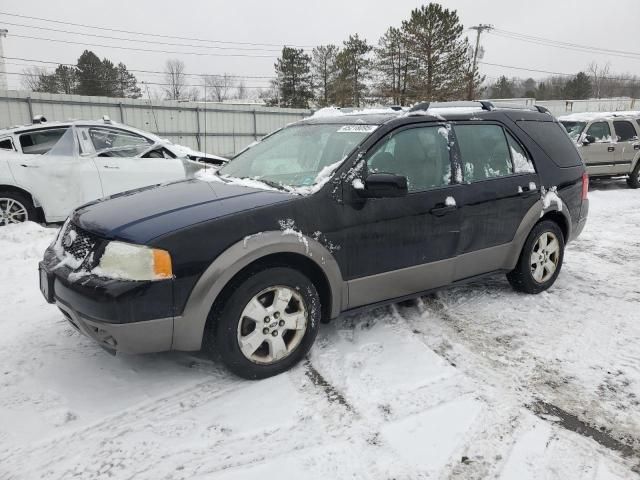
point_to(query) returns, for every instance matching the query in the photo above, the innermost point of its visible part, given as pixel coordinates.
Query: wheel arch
(37, 205)
(298, 250)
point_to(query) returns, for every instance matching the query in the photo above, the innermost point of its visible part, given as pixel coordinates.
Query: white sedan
(48, 169)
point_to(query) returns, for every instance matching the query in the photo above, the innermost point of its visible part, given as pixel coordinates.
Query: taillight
(585, 186)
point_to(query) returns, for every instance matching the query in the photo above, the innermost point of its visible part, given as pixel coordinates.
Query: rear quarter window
(553, 140)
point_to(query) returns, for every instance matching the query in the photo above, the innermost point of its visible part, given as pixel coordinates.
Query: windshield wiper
(271, 183)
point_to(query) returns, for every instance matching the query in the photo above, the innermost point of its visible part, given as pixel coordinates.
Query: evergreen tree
(126, 83)
(579, 87)
(394, 65)
(439, 52)
(66, 79)
(353, 70)
(90, 75)
(324, 70)
(503, 88)
(294, 81)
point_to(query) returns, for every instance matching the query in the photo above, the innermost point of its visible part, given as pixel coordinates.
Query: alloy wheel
(545, 257)
(272, 325)
(12, 211)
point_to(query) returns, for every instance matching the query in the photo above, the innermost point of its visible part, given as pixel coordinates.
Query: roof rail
(420, 106)
(542, 109)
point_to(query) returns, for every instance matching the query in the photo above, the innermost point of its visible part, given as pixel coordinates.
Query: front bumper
(126, 316)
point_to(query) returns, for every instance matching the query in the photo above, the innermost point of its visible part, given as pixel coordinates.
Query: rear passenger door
(628, 145)
(501, 185)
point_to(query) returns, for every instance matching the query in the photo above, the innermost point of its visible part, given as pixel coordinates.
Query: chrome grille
(77, 242)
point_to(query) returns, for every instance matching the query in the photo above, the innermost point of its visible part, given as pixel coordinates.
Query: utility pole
(3, 71)
(479, 29)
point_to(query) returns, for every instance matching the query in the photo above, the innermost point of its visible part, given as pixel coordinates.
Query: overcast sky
(611, 25)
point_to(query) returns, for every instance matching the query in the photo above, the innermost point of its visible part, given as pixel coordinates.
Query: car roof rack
(482, 104)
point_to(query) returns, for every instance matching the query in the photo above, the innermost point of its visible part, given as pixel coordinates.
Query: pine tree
(324, 70)
(439, 51)
(353, 70)
(579, 87)
(90, 75)
(394, 65)
(66, 79)
(503, 88)
(126, 83)
(294, 82)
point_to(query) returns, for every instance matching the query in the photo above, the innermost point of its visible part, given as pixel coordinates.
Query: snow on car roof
(588, 116)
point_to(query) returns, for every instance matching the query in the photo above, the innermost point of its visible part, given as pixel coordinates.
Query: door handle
(29, 166)
(636, 147)
(528, 192)
(112, 167)
(611, 149)
(443, 210)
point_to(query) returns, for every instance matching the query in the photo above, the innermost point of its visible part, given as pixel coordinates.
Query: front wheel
(634, 178)
(541, 259)
(15, 208)
(268, 324)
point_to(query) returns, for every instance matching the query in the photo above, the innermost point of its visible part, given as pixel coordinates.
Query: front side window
(600, 131)
(111, 142)
(484, 150)
(40, 142)
(296, 156)
(420, 154)
(624, 130)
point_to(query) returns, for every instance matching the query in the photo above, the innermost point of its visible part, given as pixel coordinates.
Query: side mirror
(589, 139)
(384, 185)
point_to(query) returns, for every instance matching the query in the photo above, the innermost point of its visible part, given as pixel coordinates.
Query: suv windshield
(574, 129)
(296, 155)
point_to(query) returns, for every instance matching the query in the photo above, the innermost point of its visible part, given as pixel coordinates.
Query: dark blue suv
(331, 214)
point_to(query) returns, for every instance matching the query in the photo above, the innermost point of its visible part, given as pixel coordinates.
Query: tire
(533, 272)
(633, 180)
(258, 316)
(15, 207)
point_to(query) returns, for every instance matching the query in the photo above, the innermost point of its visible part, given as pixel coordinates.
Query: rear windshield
(554, 141)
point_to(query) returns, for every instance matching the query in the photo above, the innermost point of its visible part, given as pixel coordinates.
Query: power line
(148, 50)
(151, 34)
(551, 72)
(564, 45)
(153, 42)
(142, 71)
(106, 80)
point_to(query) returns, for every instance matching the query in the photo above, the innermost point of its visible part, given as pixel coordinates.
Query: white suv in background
(48, 169)
(609, 143)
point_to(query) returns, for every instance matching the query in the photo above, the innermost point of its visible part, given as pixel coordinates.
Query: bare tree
(218, 87)
(241, 90)
(175, 79)
(599, 77)
(32, 78)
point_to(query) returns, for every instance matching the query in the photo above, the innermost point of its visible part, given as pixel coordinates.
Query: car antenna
(152, 110)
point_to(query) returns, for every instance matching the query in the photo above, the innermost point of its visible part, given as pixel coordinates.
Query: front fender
(189, 328)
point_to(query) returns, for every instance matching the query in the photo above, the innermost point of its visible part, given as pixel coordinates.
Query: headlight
(134, 262)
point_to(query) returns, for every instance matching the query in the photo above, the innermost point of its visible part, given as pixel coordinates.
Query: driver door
(119, 156)
(600, 156)
(394, 247)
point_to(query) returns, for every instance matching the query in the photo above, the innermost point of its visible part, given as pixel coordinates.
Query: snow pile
(588, 116)
(450, 202)
(288, 227)
(549, 197)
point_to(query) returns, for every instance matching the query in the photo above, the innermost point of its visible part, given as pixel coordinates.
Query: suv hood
(139, 216)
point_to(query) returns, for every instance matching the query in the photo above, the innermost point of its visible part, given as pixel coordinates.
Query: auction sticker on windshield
(357, 128)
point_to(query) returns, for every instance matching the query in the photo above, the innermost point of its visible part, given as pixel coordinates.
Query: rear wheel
(541, 259)
(268, 324)
(15, 208)
(634, 178)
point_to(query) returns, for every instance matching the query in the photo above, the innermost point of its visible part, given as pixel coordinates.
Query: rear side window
(521, 161)
(600, 131)
(6, 144)
(485, 152)
(624, 130)
(40, 141)
(553, 140)
(111, 142)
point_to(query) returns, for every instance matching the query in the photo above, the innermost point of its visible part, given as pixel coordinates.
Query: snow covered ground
(473, 382)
